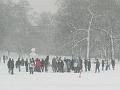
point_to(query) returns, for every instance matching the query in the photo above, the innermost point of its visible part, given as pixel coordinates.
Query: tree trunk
(88, 40)
(112, 46)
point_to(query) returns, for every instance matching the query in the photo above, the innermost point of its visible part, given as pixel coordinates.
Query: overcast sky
(43, 5)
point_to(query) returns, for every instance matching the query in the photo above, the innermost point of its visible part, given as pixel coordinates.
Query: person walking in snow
(78, 66)
(97, 66)
(31, 67)
(89, 65)
(107, 65)
(42, 65)
(75, 65)
(81, 66)
(18, 64)
(37, 65)
(86, 65)
(54, 65)
(46, 63)
(113, 64)
(22, 62)
(68, 64)
(59, 64)
(10, 65)
(26, 65)
(103, 64)
(62, 66)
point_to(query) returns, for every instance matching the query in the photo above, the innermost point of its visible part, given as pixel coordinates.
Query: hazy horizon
(40, 6)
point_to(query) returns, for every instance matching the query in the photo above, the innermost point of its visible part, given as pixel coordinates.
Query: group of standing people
(57, 64)
(106, 64)
(76, 65)
(32, 65)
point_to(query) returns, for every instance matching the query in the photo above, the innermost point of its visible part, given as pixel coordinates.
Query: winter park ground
(106, 80)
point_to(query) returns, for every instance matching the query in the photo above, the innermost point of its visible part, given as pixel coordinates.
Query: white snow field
(106, 80)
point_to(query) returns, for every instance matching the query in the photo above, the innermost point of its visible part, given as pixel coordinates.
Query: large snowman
(33, 54)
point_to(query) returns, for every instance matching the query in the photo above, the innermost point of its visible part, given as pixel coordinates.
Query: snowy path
(109, 80)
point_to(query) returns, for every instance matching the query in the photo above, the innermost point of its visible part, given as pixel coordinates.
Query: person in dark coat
(12, 67)
(78, 66)
(85, 64)
(113, 64)
(22, 62)
(68, 64)
(26, 65)
(18, 64)
(42, 65)
(46, 63)
(81, 64)
(107, 65)
(54, 62)
(8, 65)
(32, 59)
(103, 64)
(97, 66)
(89, 65)
(62, 66)
(59, 65)
(72, 64)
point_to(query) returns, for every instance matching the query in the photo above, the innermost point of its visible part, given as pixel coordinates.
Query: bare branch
(79, 42)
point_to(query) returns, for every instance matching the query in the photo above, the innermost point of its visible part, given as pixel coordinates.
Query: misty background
(86, 28)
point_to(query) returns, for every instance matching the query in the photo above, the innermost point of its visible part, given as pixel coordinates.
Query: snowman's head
(33, 50)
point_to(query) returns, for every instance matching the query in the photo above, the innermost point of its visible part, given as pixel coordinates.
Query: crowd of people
(77, 64)
(58, 64)
(32, 65)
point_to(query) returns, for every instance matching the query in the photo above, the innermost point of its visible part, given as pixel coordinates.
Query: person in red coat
(37, 64)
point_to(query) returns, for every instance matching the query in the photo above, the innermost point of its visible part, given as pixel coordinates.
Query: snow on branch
(76, 43)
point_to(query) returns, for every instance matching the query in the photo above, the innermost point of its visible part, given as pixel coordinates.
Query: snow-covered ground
(109, 80)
